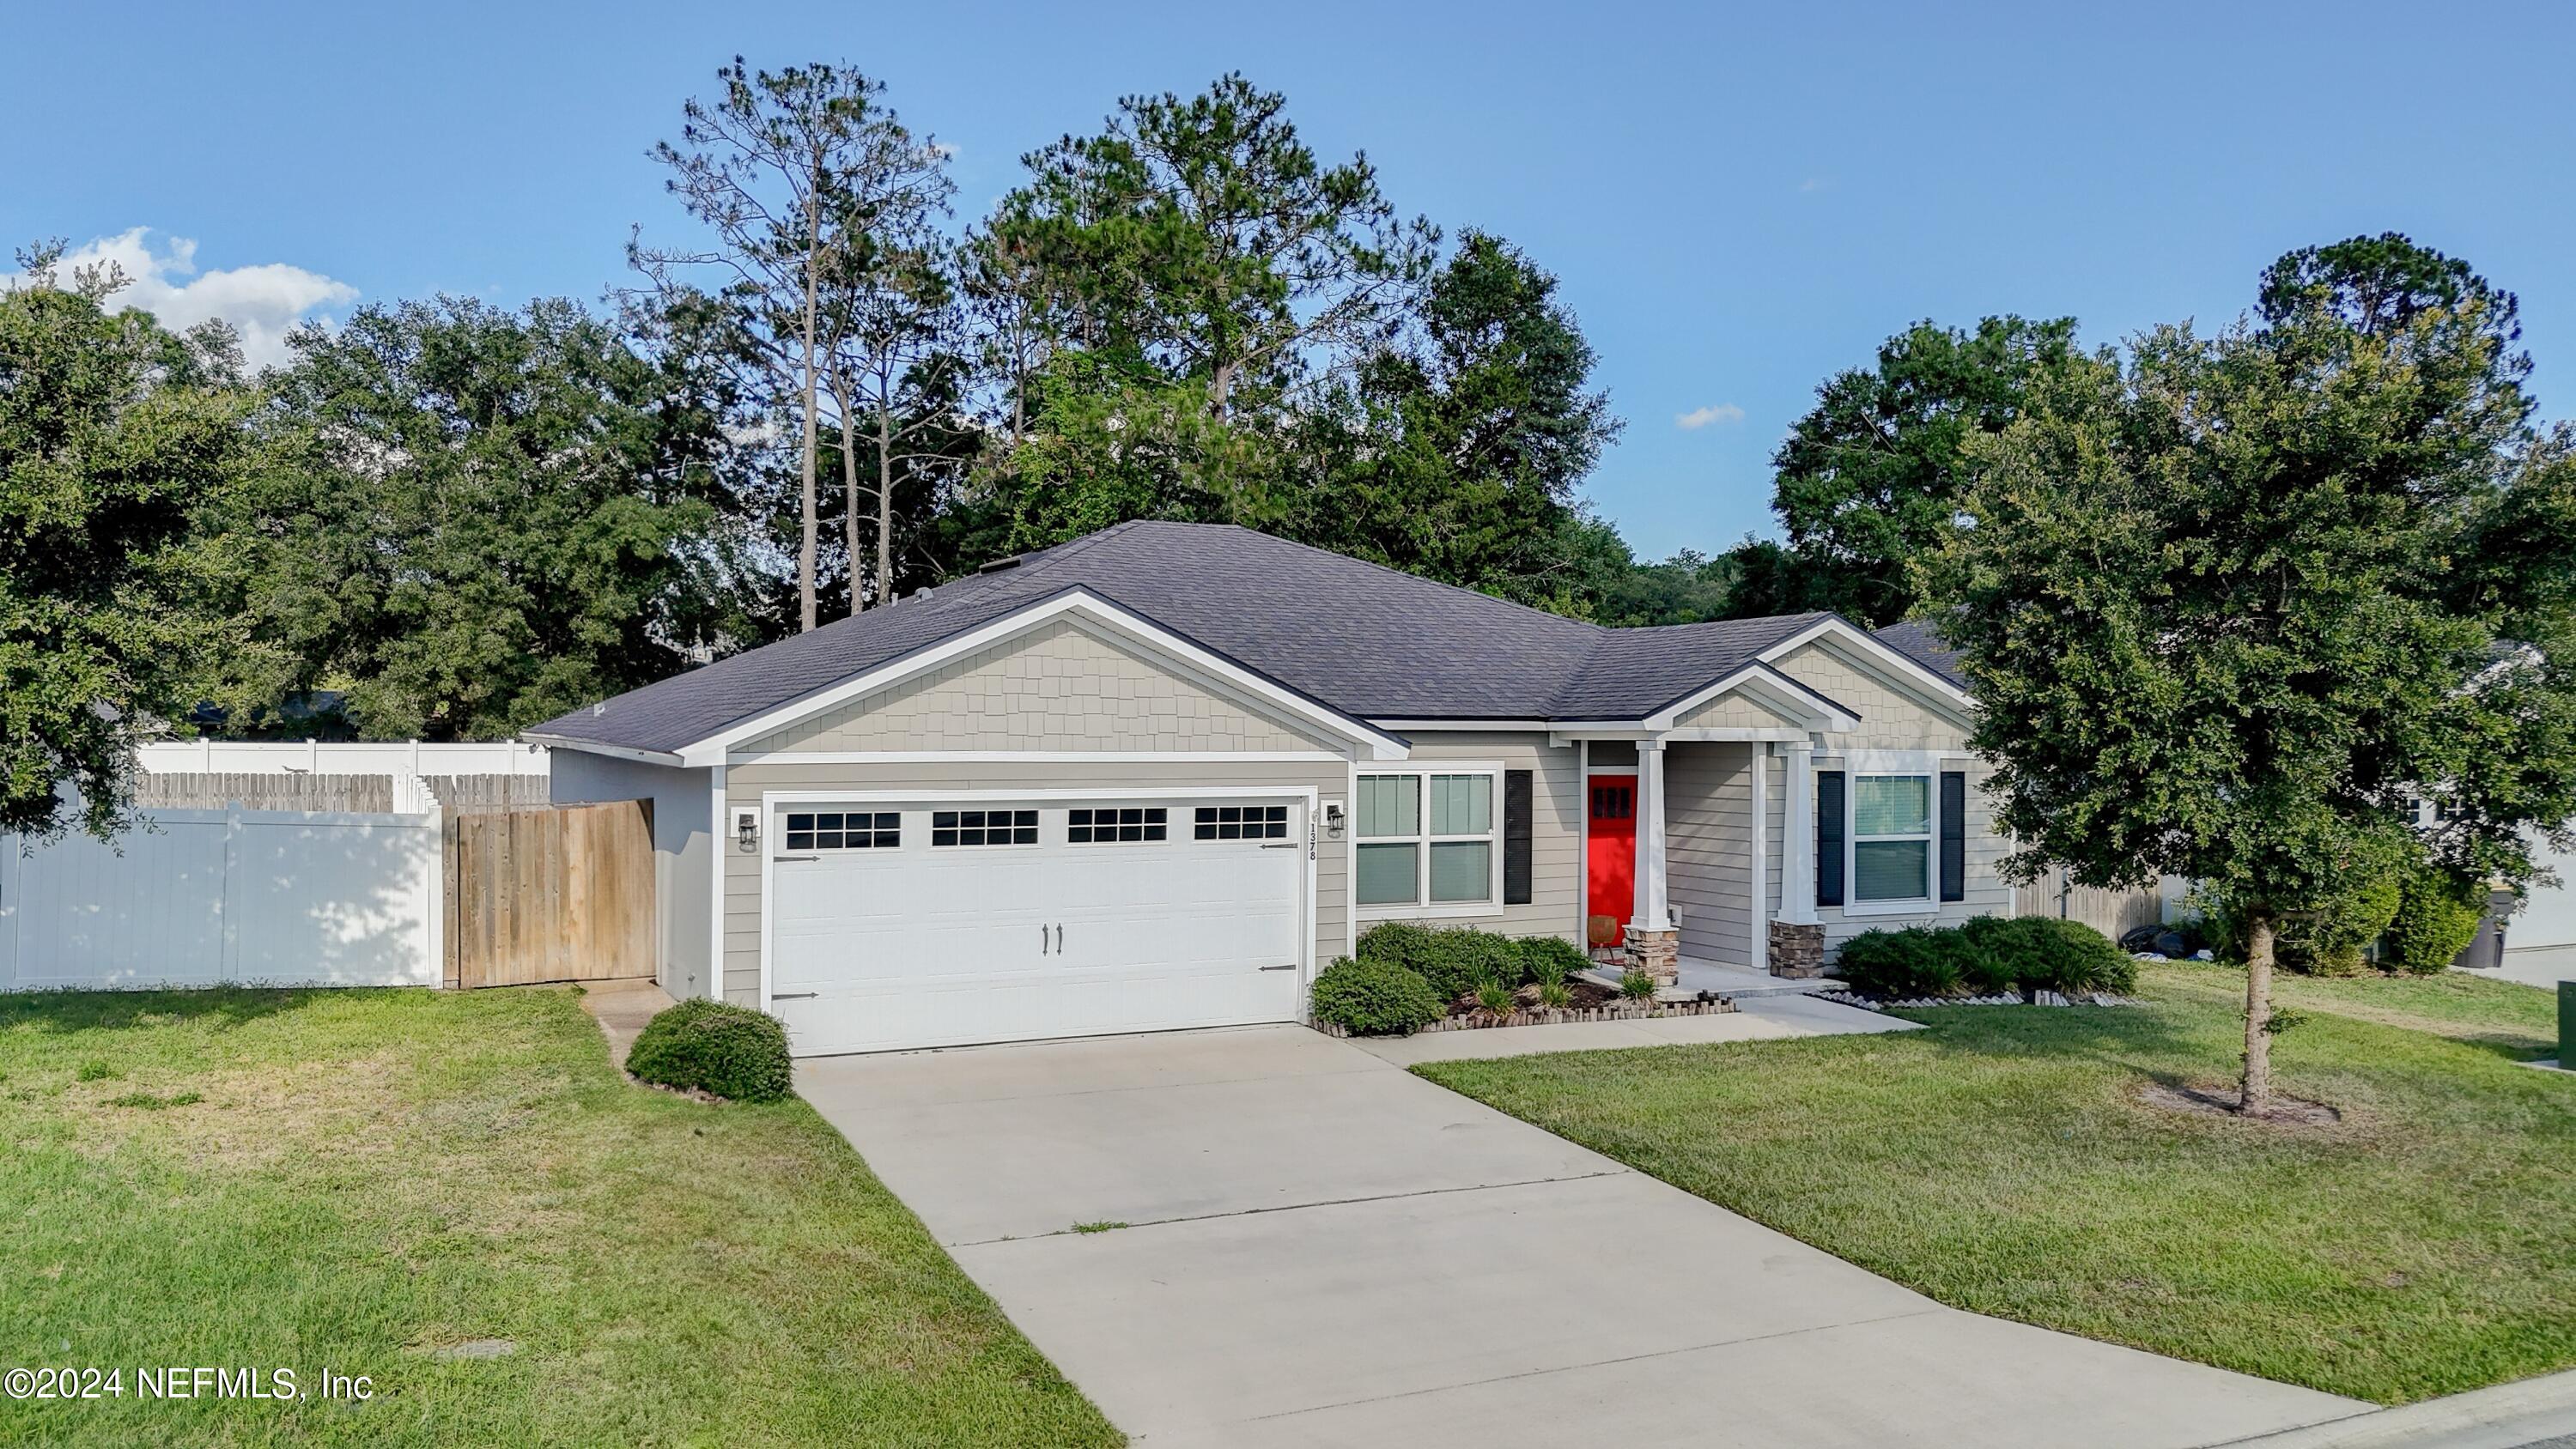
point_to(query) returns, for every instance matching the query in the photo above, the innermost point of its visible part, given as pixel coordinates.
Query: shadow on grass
(2141, 1039)
(65, 1012)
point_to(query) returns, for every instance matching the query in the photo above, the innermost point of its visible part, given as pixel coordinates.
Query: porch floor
(1739, 982)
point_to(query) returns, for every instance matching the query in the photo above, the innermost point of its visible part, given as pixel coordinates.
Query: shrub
(2437, 917)
(1555, 994)
(1452, 960)
(2043, 953)
(1986, 955)
(2331, 942)
(1911, 962)
(1996, 951)
(1397, 943)
(2069, 957)
(1374, 998)
(1546, 959)
(732, 1051)
(1495, 997)
(1636, 985)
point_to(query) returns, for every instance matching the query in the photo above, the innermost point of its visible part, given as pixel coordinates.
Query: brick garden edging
(2045, 998)
(1549, 1016)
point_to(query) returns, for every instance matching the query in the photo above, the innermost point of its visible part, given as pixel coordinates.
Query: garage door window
(983, 827)
(825, 831)
(1242, 822)
(1103, 827)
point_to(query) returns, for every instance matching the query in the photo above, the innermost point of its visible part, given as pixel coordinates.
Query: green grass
(357, 1180)
(2002, 1162)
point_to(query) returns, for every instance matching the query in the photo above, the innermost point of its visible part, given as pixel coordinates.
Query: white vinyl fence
(409, 762)
(203, 897)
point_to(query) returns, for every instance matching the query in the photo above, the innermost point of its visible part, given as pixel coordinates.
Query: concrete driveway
(1318, 1248)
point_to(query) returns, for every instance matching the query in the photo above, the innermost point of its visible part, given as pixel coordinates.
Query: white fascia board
(1736, 735)
(1768, 688)
(1902, 671)
(716, 748)
(614, 752)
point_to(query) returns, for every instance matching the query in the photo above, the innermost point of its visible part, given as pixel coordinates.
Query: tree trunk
(850, 489)
(885, 504)
(813, 524)
(2255, 1094)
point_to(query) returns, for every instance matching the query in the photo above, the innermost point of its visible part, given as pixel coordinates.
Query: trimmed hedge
(1452, 959)
(1914, 961)
(1374, 998)
(710, 1046)
(1986, 956)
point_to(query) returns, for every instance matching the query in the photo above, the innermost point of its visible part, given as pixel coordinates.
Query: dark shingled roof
(1370, 641)
(1919, 643)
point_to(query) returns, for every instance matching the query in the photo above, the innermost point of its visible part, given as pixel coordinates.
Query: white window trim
(1926, 904)
(1856, 763)
(1425, 908)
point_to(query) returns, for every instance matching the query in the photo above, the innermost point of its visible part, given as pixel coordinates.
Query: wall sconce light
(746, 830)
(1335, 822)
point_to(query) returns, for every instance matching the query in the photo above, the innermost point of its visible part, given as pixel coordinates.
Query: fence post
(229, 957)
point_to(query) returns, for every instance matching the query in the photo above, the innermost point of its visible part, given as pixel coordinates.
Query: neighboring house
(1156, 776)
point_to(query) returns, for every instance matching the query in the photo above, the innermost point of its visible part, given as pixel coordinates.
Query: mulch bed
(2220, 1101)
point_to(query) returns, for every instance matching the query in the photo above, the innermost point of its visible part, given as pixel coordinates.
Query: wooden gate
(563, 893)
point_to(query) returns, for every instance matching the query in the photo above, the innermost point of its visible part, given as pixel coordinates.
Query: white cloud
(1698, 418)
(263, 303)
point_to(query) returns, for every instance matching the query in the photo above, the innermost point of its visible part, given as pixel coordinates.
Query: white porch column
(1798, 839)
(1654, 912)
(1757, 914)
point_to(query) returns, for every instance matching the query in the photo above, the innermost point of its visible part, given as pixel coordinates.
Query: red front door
(1612, 826)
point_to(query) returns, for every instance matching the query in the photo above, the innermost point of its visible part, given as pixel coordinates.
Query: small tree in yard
(2229, 606)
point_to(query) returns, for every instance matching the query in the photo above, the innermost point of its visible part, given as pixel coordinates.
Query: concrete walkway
(1769, 1018)
(621, 1008)
(1266, 1237)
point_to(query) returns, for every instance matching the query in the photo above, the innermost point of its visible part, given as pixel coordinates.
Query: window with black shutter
(1829, 837)
(1516, 837)
(1954, 835)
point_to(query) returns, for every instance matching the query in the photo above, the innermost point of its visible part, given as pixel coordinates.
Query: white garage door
(939, 923)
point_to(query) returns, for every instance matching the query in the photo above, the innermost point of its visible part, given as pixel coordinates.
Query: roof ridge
(1477, 594)
(1611, 638)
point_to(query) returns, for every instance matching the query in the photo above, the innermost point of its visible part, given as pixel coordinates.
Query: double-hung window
(1891, 823)
(1427, 840)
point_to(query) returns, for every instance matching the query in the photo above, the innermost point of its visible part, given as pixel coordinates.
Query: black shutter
(1954, 835)
(1829, 837)
(1516, 837)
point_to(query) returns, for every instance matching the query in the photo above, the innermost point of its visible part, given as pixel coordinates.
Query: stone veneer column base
(1797, 952)
(1657, 953)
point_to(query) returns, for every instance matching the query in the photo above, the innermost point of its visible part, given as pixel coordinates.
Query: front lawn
(2001, 1161)
(454, 1194)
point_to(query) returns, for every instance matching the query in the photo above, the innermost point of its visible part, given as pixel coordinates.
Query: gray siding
(1556, 827)
(683, 850)
(1058, 687)
(1889, 718)
(745, 783)
(1708, 843)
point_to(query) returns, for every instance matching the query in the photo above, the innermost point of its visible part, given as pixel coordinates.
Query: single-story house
(1155, 777)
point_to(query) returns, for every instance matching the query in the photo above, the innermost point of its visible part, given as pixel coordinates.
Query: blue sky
(1739, 200)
